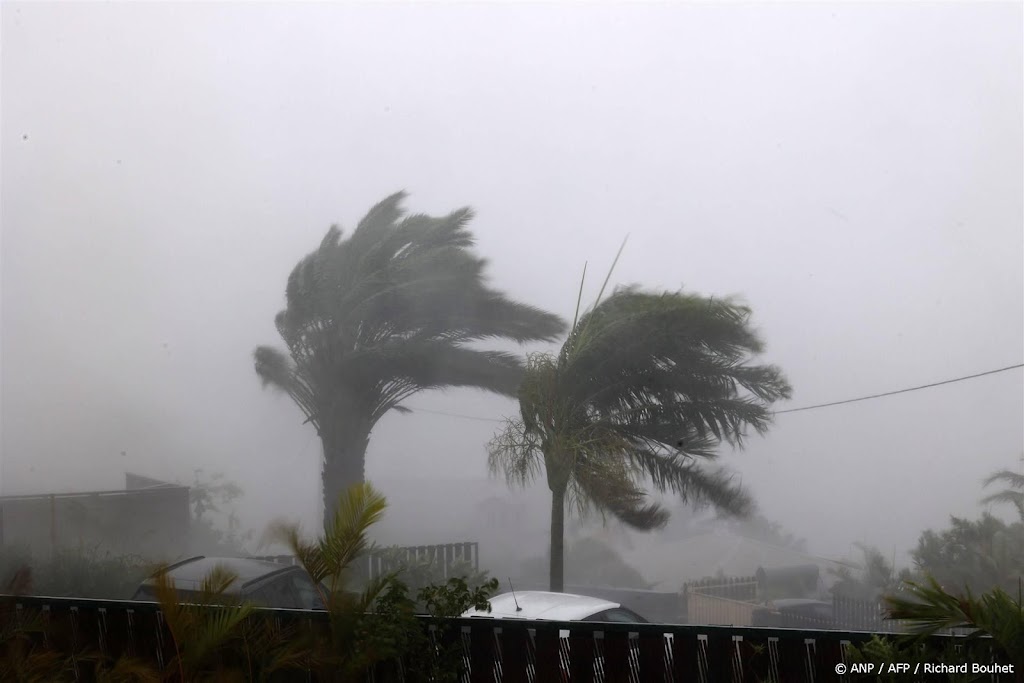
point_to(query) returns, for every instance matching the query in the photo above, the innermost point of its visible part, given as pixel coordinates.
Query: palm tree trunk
(557, 576)
(344, 466)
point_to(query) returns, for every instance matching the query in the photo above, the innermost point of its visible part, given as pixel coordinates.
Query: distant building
(148, 517)
(668, 565)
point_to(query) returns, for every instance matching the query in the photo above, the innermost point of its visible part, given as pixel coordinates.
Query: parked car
(266, 584)
(556, 607)
(544, 605)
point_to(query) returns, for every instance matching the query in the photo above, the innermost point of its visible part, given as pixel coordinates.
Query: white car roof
(543, 605)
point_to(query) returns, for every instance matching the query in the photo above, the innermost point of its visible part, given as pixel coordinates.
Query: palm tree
(365, 627)
(644, 389)
(1014, 494)
(996, 613)
(388, 312)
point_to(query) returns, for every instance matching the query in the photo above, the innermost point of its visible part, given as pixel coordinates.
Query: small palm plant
(932, 609)
(360, 636)
(205, 633)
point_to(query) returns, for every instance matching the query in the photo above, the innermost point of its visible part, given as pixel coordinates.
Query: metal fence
(516, 651)
(733, 602)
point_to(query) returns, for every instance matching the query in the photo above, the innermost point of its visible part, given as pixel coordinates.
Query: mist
(853, 172)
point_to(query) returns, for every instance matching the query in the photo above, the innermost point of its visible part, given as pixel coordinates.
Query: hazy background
(853, 171)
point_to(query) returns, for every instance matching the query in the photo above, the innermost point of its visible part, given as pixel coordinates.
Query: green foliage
(893, 649)
(643, 391)
(976, 555)
(1012, 494)
(376, 625)
(878, 578)
(932, 609)
(453, 598)
(83, 572)
(215, 529)
(442, 648)
(205, 626)
(390, 311)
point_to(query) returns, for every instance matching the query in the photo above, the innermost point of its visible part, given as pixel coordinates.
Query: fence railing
(733, 601)
(519, 651)
(742, 588)
(445, 556)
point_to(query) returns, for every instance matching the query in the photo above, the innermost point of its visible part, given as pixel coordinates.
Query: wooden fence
(518, 651)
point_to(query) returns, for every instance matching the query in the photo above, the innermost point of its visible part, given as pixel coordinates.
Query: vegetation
(974, 555)
(79, 572)
(644, 389)
(879, 577)
(215, 528)
(995, 614)
(1012, 494)
(882, 650)
(387, 313)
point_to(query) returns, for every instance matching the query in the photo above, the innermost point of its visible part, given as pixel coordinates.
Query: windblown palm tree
(1014, 494)
(388, 312)
(643, 390)
(997, 613)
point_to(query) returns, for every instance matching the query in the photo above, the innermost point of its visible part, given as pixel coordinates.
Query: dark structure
(147, 518)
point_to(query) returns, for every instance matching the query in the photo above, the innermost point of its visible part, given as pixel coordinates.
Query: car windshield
(620, 614)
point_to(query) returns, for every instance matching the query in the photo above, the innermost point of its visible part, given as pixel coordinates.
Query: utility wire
(780, 412)
(901, 391)
(465, 417)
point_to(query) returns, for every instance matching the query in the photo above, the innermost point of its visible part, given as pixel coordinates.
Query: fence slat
(755, 659)
(616, 656)
(793, 661)
(548, 661)
(827, 653)
(721, 652)
(514, 655)
(686, 657)
(582, 648)
(651, 656)
(482, 654)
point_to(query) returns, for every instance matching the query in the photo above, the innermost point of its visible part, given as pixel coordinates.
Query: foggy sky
(853, 171)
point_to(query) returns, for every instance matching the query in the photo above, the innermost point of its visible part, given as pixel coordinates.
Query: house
(148, 518)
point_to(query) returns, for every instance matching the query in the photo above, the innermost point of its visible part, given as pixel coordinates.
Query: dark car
(265, 584)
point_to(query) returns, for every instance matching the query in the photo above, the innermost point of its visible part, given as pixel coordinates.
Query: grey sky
(853, 171)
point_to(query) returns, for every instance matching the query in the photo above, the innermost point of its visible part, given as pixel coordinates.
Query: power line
(902, 391)
(780, 412)
(465, 417)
